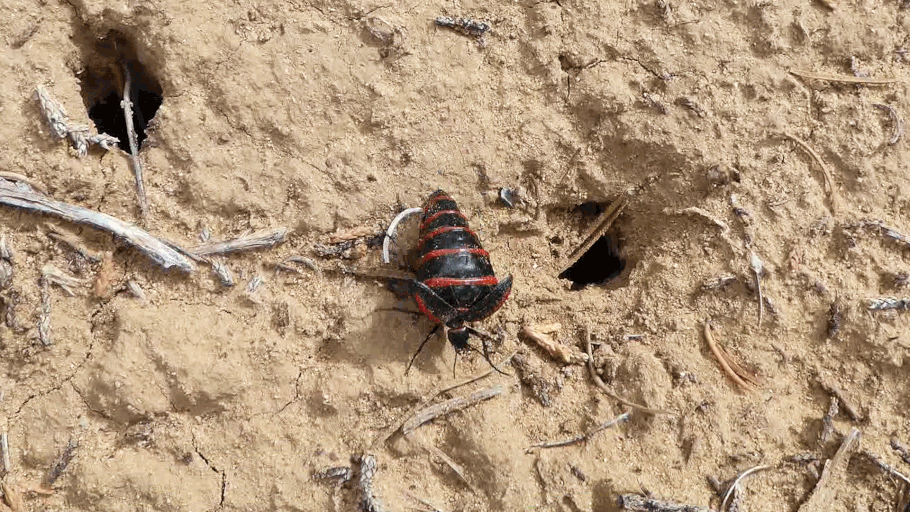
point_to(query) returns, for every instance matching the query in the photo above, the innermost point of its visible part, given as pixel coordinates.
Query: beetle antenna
(411, 362)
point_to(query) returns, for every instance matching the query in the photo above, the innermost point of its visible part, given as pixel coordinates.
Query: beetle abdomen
(450, 259)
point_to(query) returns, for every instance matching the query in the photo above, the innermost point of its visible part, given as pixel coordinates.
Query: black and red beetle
(454, 282)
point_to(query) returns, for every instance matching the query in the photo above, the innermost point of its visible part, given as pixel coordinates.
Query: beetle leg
(484, 338)
(411, 362)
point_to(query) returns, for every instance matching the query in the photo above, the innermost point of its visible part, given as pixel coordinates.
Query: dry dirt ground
(324, 116)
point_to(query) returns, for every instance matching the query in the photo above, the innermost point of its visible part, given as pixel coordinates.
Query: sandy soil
(326, 116)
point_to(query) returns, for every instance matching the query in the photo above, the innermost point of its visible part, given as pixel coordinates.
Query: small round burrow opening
(603, 262)
(109, 64)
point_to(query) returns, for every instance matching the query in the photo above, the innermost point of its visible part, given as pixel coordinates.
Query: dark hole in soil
(106, 67)
(600, 264)
(603, 261)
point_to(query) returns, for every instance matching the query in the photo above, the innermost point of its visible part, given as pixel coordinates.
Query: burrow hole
(603, 262)
(107, 63)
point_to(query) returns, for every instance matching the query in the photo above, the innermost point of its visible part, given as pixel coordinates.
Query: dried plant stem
(757, 267)
(368, 500)
(557, 350)
(638, 503)
(897, 131)
(424, 502)
(832, 476)
(732, 488)
(57, 120)
(61, 464)
(828, 420)
(744, 379)
(44, 315)
(443, 456)
(4, 453)
(842, 78)
(600, 226)
(455, 404)
(163, 253)
(829, 179)
(900, 449)
(582, 437)
(390, 233)
(884, 466)
(15, 176)
(429, 398)
(127, 104)
(606, 389)
(247, 243)
(844, 401)
(70, 239)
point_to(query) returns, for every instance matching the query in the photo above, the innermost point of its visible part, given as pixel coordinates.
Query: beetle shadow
(390, 336)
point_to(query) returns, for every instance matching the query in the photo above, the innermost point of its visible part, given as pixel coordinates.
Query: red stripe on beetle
(439, 231)
(436, 215)
(438, 282)
(432, 255)
(423, 309)
(435, 199)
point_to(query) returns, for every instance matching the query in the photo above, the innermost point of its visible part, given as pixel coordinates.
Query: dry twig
(884, 466)
(255, 241)
(598, 228)
(432, 507)
(900, 449)
(220, 268)
(833, 476)
(6, 262)
(303, 260)
(61, 464)
(449, 406)
(66, 282)
(732, 489)
(338, 475)
(606, 389)
(69, 238)
(883, 303)
(343, 235)
(829, 179)
(126, 103)
(14, 176)
(12, 497)
(436, 452)
(390, 232)
(828, 420)
(897, 131)
(886, 231)
(639, 503)
(163, 253)
(429, 398)
(368, 500)
(582, 437)
(58, 122)
(557, 350)
(757, 267)
(843, 400)
(902, 503)
(4, 453)
(842, 78)
(44, 314)
(744, 379)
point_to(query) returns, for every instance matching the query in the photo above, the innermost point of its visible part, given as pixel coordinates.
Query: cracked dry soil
(323, 116)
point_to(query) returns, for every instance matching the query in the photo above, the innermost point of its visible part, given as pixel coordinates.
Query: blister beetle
(454, 282)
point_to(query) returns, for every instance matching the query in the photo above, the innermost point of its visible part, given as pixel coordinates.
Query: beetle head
(458, 337)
